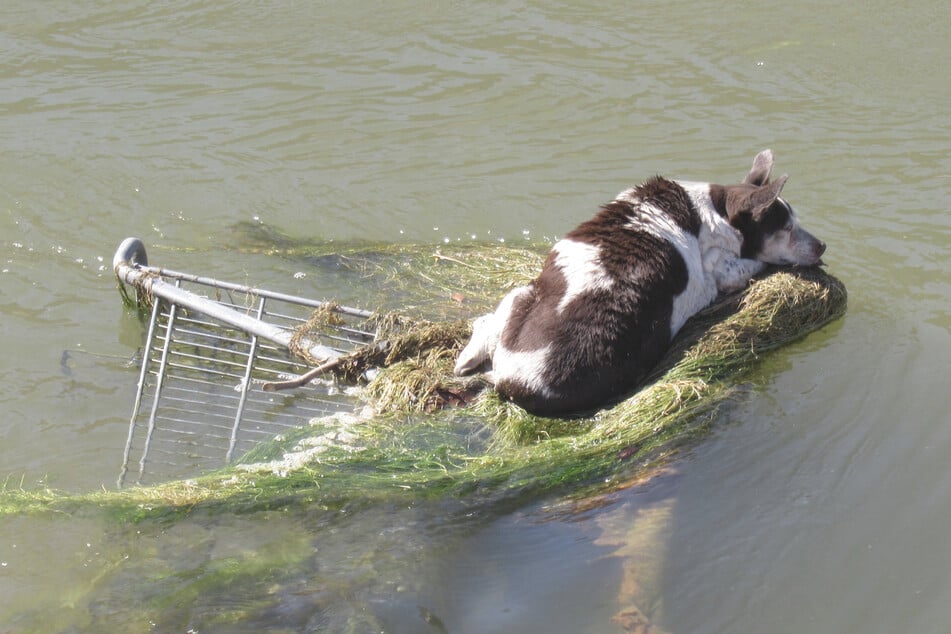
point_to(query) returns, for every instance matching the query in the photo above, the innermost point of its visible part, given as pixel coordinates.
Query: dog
(614, 291)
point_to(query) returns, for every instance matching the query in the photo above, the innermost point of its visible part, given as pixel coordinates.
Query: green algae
(406, 446)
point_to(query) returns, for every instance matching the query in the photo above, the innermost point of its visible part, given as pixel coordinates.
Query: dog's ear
(762, 165)
(763, 197)
(744, 204)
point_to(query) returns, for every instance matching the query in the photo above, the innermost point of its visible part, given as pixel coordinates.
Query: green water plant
(407, 443)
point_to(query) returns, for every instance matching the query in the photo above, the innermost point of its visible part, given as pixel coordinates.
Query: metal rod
(177, 296)
(146, 358)
(240, 288)
(245, 388)
(160, 380)
(131, 256)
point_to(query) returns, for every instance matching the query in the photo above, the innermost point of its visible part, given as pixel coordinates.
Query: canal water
(820, 503)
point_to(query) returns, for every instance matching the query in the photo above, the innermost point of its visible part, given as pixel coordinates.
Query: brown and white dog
(615, 290)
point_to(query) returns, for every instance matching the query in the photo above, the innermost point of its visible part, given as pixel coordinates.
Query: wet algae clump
(425, 433)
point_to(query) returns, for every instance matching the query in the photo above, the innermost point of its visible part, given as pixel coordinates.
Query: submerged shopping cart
(210, 348)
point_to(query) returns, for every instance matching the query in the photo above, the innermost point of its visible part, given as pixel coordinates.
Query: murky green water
(822, 504)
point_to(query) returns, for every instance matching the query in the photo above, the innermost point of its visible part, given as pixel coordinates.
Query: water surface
(819, 504)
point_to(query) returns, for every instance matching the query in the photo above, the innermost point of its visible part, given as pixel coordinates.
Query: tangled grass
(484, 448)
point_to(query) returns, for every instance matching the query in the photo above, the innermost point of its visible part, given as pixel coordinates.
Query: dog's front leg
(735, 273)
(729, 271)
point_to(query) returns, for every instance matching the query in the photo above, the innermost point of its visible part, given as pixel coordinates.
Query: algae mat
(489, 451)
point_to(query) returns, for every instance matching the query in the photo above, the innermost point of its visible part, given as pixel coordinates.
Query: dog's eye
(776, 218)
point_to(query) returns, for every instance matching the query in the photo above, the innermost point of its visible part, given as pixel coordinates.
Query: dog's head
(771, 232)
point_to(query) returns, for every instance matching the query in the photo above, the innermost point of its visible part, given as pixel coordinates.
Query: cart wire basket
(209, 349)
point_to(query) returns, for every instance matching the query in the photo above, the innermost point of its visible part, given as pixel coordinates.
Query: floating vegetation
(407, 443)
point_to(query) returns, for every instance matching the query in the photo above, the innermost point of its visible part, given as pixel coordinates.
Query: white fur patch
(715, 230)
(701, 289)
(524, 368)
(580, 264)
(658, 223)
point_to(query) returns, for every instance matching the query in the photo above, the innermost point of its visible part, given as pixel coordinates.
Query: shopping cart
(210, 348)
